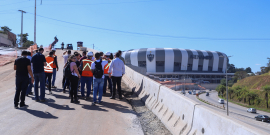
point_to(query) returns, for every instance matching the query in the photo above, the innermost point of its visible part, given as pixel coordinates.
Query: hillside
(254, 82)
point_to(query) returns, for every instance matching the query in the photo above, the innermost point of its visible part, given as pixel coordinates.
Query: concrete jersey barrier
(180, 114)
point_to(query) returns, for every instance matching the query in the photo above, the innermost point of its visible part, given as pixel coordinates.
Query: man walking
(87, 75)
(106, 73)
(39, 61)
(30, 85)
(55, 68)
(117, 70)
(22, 66)
(97, 68)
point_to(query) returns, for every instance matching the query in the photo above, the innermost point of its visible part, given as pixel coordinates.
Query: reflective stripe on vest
(106, 68)
(54, 65)
(86, 71)
(49, 62)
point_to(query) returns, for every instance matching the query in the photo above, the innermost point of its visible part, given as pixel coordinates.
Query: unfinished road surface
(58, 116)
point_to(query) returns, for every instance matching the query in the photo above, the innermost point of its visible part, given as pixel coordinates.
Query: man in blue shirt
(117, 70)
(39, 61)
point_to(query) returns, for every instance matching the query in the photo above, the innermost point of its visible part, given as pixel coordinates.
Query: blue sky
(240, 28)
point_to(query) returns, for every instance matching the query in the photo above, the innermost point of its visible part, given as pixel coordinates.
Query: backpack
(67, 71)
(98, 71)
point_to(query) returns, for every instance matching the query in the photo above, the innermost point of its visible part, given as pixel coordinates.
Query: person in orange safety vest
(87, 75)
(48, 69)
(108, 57)
(55, 68)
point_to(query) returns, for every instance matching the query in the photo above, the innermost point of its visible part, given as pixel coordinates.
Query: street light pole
(227, 57)
(35, 22)
(22, 26)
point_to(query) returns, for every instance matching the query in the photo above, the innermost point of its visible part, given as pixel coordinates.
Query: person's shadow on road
(40, 114)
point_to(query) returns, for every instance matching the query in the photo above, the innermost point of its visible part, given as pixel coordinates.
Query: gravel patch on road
(150, 123)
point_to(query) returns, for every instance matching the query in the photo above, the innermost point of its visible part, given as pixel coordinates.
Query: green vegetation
(252, 92)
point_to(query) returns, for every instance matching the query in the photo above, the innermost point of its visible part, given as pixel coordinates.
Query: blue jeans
(98, 86)
(29, 88)
(88, 81)
(54, 76)
(40, 77)
(107, 78)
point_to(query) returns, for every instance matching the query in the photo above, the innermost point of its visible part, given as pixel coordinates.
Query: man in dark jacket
(22, 66)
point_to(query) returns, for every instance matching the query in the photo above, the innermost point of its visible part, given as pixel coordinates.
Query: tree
(231, 68)
(265, 69)
(266, 89)
(5, 29)
(230, 91)
(240, 74)
(244, 93)
(251, 96)
(25, 41)
(248, 70)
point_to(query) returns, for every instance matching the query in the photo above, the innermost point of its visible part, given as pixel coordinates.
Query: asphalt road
(235, 111)
(59, 116)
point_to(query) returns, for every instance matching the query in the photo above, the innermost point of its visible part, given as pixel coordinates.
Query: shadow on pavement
(40, 114)
(93, 107)
(50, 103)
(117, 107)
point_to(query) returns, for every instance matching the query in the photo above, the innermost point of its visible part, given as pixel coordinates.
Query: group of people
(91, 69)
(98, 69)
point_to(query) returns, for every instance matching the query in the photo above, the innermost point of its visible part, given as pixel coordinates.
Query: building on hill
(8, 39)
(172, 63)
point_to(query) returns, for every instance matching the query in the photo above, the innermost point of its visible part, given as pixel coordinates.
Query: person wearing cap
(108, 57)
(55, 68)
(84, 56)
(48, 69)
(87, 75)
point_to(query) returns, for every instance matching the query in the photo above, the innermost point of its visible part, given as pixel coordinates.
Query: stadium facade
(199, 65)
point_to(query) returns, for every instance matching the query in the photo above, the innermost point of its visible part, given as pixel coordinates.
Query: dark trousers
(21, 87)
(74, 86)
(49, 77)
(116, 81)
(107, 79)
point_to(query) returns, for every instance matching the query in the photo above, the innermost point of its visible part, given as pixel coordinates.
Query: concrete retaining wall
(180, 114)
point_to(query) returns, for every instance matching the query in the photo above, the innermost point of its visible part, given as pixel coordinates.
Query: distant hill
(254, 82)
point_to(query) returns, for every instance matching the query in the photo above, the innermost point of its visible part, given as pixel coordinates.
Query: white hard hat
(107, 53)
(90, 54)
(53, 49)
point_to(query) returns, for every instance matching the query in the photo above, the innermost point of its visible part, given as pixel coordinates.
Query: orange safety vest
(54, 65)
(86, 71)
(106, 68)
(49, 62)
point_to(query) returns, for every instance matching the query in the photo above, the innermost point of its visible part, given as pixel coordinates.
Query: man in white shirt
(65, 56)
(97, 69)
(117, 70)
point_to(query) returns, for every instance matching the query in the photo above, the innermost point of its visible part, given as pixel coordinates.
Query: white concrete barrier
(175, 111)
(182, 115)
(207, 121)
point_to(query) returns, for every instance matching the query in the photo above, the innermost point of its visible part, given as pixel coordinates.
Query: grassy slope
(254, 82)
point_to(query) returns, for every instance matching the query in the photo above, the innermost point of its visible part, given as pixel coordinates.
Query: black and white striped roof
(192, 60)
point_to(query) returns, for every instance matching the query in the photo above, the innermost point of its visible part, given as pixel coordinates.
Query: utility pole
(22, 26)
(35, 22)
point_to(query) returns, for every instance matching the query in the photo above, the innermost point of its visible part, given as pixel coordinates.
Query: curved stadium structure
(168, 62)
